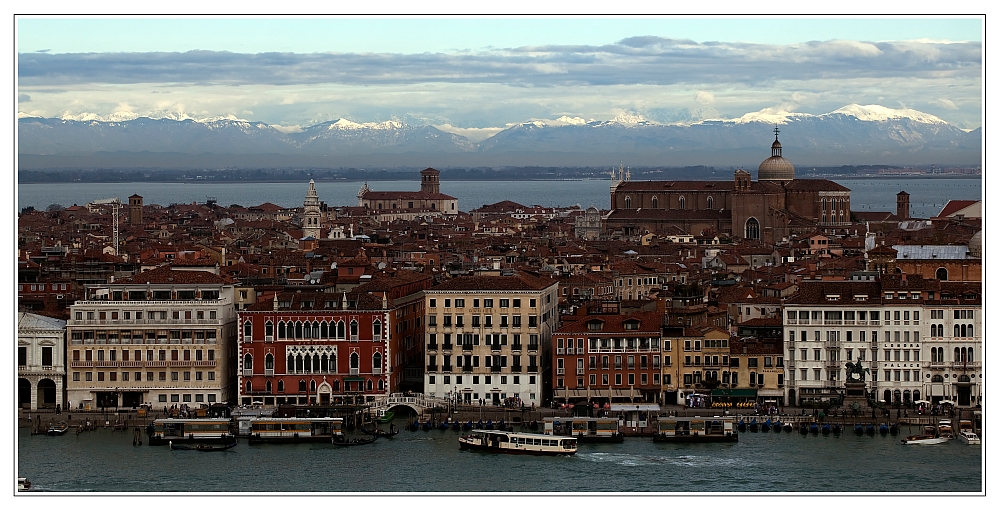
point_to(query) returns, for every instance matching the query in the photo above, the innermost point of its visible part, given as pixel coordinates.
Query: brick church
(768, 209)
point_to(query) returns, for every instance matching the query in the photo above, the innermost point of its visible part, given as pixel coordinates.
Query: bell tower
(430, 181)
(311, 218)
(135, 210)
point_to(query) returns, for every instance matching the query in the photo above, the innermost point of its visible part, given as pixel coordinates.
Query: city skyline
(424, 71)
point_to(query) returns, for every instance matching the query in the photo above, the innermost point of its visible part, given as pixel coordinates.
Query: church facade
(429, 201)
(769, 209)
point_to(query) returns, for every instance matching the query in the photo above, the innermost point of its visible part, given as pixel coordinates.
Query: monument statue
(855, 369)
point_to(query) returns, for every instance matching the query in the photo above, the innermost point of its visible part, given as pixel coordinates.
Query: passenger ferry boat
(696, 429)
(190, 430)
(499, 441)
(585, 430)
(295, 430)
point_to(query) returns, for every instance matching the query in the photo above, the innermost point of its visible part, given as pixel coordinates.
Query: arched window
(269, 362)
(302, 385)
(315, 363)
(298, 363)
(376, 361)
(307, 331)
(369, 385)
(354, 329)
(323, 331)
(916, 395)
(267, 386)
(381, 385)
(377, 328)
(281, 386)
(247, 330)
(957, 331)
(937, 379)
(291, 329)
(969, 330)
(315, 329)
(958, 355)
(324, 364)
(269, 328)
(298, 329)
(656, 203)
(281, 330)
(291, 364)
(906, 396)
(249, 387)
(340, 329)
(752, 229)
(336, 385)
(933, 352)
(964, 330)
(897, 396)
(312, 385)
(711, 203)
(628, 202)
(970, 355)
(887, 396)
(333, 363)
(355, 361)
(942, 274)
(248, 362)
(681, 203)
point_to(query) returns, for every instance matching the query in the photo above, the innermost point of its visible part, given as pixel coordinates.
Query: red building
(603, 356)
(320, 347)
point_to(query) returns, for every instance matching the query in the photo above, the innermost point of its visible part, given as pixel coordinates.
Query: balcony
(432, 368)
(467, 368)
(446, 347)
(495, 368)
(532, 368)
(354, 338)
(355, 371)
(791, 322)
(432, 347)
(516, 347)
(593, 367)
(247, 372)
(446, 368)
(268, 372)
(268, 338)
(495, 348)
(515, 368)
(202, 363)
(466, 347)
(532, 347)
(377, 370)
(559, 371)
(560, 350)
(580, 371)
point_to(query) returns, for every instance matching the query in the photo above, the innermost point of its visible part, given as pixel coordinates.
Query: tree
(55, 208)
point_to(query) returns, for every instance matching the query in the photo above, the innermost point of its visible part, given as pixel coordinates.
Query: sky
(476, 75)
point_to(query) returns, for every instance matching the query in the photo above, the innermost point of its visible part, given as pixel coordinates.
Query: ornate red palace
(320, 347)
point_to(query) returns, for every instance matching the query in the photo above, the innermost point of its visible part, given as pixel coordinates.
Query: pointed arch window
(281, 386)
(267, 386)
(248, 362)
(302, 385)
(377, 363)
(298, 329)
(628, 202)
(249, 386)
(377, 328)
(269, 362)
(333, 363)
(381, 385)
(354, 330)
(369, 385)
(711, 203)
(324, 331)
(315, 329)
(340, 329)
(269, 328)
(281, 330)
(656, 203)
(315, 363)
(290, 329)
(355, 361)
(247, 331)
(752, 229)
(312, 385)
(291, 364)
(682, 204)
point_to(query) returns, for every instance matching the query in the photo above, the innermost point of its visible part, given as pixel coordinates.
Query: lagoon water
(927, 196)
(430, 461)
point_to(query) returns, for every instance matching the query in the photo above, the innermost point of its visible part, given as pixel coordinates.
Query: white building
(487, 337)
(41, 369)
(164, 337)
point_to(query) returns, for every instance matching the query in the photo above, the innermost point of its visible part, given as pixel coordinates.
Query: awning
(558, 393)
(741, 392)
(635, 407)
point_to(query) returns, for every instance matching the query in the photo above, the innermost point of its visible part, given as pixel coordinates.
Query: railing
(446, 368)
(569, 350)
(466, 347)
(376, 338)
(203, 363)
(446, 347)
(873, 323)
(432, 347)
(515, 368)
(532, 347)
(580, 371)
(432, 368)
(467, 368)
(355, 371)
(532, 368)
(560, 371)
(495, 368)
(269, 372)
(247, 372)
(495, 348)
(354, 338)
(515, 347)
(560, 350)
(142, 322)
(791, 322)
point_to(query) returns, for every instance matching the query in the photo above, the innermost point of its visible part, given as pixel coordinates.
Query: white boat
(23, 484)
(925, 439)
(969, 437)
(499, 441)
(190, 430)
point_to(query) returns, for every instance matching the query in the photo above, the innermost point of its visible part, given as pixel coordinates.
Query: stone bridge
(418, 403)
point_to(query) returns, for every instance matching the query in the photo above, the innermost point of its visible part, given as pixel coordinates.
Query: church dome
(776, 168)
(976, 245)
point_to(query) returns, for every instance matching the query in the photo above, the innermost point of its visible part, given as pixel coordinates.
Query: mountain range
(851, 135)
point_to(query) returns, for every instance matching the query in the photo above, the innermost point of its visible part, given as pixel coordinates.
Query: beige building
(41, 342)
(487, 337)
(163, 337)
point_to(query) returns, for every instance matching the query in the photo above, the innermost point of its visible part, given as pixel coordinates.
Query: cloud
(947, 104)
(704, 97)
(474, 134)
(23, 98)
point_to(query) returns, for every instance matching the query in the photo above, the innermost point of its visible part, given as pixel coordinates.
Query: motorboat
(788, 427)
(517, 443)
(57, 429)
(202, 447)
(969, 437)
(925, 439)
(386, 417)
(585, 429)
(945, 430)
(23, 484)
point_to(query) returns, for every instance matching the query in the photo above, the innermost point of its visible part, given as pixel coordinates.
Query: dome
(976, 245)
(776, 168)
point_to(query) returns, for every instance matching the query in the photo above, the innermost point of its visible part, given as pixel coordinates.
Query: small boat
(428, 425)
(343, 441)
(826, 429)
(455, 425)
(479, 424)
(766, 426)
(23, 484)
(443, 425)
(202, 447)
(814, 428)
(517, 442)
(57, 429)
(894, 429)
(924, 439)
(859, 429)
(945, 430)
(870, 429)
(788, 427)
(489, 424)
(753, 426)
(415, 426)
(837, 428)
(776, 426)
(501, 425)
(742, 425)
(883, 429)
(969, 437)
(803, 429)
(467, 426)
(381, 433)
(387, 417)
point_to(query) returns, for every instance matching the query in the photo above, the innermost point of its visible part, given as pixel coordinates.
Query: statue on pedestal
(855, 369)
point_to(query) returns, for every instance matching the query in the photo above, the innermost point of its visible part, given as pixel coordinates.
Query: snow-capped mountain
(853, 134)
